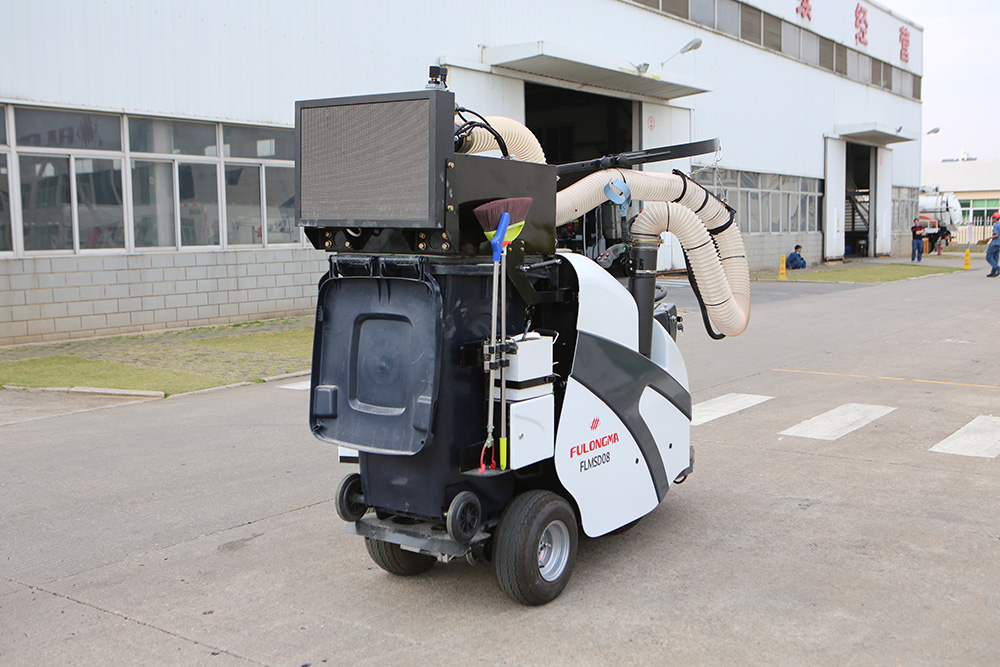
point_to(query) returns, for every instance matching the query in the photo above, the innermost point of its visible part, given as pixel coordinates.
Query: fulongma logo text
(593, 446)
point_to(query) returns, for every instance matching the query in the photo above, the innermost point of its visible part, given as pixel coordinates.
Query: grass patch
(287, 343)
(168, 361)
(65, 371)
(878, 273)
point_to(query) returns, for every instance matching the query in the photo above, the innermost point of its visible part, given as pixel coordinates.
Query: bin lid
(375, 363)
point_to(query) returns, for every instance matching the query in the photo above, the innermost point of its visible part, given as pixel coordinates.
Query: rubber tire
(464, 515)
(395, 560)
(515, 549)
(627, 527)
(349, 509)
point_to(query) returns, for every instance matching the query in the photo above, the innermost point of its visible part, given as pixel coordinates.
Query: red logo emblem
(594, 424)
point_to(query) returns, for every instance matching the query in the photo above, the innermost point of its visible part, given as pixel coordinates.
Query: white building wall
(250, 60)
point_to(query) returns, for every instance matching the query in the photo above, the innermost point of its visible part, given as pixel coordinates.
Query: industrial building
(147, 153)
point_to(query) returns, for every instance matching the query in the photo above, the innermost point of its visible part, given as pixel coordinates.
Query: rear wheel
(463, 517)
(535, 547)
(395, 560)
(350, 498)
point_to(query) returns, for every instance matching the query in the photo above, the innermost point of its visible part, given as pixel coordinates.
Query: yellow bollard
(781, 269)
(968, 264)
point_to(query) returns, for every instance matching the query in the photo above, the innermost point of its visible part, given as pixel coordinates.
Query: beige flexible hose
(718, 260)
(521, 142)
(714, 262)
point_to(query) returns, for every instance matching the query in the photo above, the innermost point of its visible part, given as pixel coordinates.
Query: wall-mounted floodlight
(693, 45)
(641, 68)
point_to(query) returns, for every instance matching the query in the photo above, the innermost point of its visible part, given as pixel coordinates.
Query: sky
(961, 82)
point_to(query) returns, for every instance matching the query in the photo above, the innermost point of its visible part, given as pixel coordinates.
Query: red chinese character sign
(805, 10)
(904, 45)
(861, 23)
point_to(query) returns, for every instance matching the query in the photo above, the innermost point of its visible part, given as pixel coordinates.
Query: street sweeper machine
(499, 394)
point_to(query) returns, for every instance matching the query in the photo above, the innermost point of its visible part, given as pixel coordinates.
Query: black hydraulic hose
(713, 334)
(463, 131)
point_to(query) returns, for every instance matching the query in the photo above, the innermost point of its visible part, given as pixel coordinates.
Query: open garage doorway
(573, 126)
(858, 216)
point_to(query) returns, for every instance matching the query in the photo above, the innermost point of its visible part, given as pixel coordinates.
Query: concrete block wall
(764, 251)
(62, 298)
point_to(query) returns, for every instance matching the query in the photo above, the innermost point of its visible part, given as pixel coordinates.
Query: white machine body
(597, 457)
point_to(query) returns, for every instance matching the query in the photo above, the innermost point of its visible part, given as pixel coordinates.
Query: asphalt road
(200, 529)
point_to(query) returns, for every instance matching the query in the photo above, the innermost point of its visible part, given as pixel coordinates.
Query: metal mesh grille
(366, 161)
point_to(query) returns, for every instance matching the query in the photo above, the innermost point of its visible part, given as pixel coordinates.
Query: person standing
(993, 252)
(917, 251)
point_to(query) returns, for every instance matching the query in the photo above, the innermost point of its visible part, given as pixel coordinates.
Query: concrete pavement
(201, 530)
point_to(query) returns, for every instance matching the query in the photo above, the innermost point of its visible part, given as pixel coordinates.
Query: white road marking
(838, 422)
(980, 437)
(301, 386)
(724, 405)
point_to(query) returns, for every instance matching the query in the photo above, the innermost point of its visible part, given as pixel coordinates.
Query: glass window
(703, 12)
(864, 68)
(727, 17)
(198, 187)
(158, 135)
(978, 203)
(750, 23)
(907, 87)
(258, 142)
(852, 64)
(794, 212)
(916, 87)
(897, 79)
(876, 72)
(45, 203)
(655, 4)
(790, 39)
(243, 224)
(99, 203)
(791, 183)
(840, 59)
(825, 53)
(3, 125)
(153, 204)
(772, 32)
(280, 182)
(770, 182)
(810, 47)
(754, 207)
(675, 7)
(6, 232)
(749, 180)
(992, 203)
(768, 216)
(67, 129)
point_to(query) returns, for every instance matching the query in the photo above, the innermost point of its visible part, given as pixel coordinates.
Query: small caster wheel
(464, 516)
(350, 498)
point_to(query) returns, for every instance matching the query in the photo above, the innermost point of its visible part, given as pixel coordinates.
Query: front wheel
(396, 560)
(535, 547)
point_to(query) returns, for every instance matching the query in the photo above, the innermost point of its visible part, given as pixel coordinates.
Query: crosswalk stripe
(724, 405)
(302, 385)
(980, 437)
(838, 422)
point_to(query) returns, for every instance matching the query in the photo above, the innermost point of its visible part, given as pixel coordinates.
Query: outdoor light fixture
(641, 68)
(933, 131)
(693, 45)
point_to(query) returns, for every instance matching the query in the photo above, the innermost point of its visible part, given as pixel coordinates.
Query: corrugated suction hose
(703, 224)
(521, 142)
